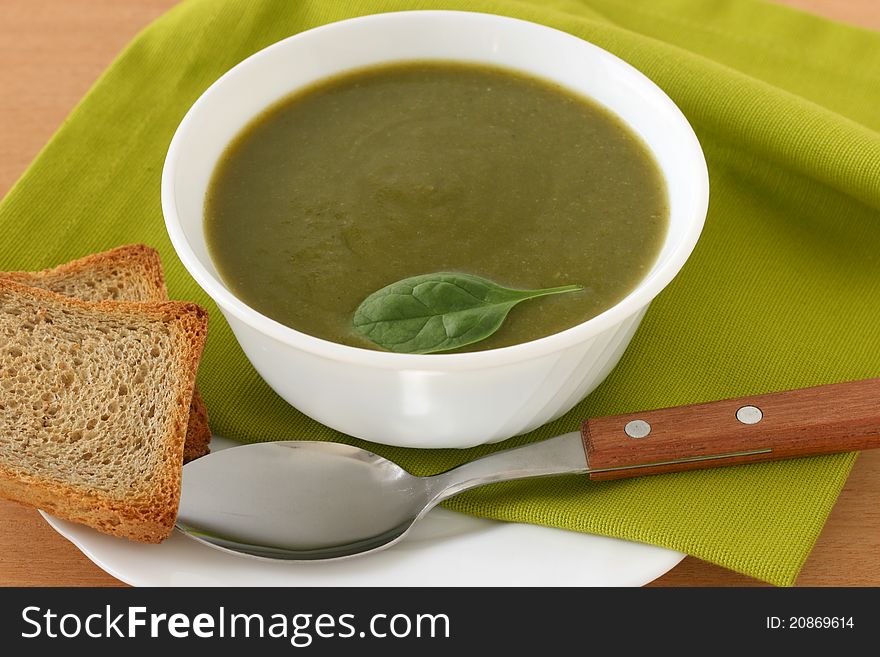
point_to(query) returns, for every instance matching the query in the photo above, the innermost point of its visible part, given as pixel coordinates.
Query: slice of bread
(94, 401)
(127, 273)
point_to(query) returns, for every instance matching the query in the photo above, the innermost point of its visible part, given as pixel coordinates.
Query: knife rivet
(637, 429)
(749, 415)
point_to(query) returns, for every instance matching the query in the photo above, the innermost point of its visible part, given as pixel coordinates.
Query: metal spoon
(303, 501)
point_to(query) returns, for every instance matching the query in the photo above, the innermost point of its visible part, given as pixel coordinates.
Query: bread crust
(144, 517)
(198, 431)
(146, 263)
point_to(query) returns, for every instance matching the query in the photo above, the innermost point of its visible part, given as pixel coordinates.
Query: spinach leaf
(438, 312)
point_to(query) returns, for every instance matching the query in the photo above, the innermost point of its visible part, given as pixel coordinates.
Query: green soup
(394, 171)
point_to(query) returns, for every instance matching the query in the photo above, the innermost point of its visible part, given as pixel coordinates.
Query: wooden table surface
(53, 50)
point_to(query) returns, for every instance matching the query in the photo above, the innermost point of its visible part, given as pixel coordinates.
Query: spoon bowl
(299, 500)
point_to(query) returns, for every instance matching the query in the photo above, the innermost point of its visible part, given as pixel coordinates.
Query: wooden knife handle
(840, 417)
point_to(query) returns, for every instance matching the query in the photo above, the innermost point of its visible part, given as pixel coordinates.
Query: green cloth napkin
(782, 291)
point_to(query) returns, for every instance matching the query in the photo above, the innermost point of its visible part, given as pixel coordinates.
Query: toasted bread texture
(94, 407)
(127, 273)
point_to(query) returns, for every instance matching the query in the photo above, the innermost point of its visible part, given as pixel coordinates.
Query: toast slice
(127, 273)
(94, 407)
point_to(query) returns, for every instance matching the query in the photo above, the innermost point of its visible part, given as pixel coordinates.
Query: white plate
(445, 549)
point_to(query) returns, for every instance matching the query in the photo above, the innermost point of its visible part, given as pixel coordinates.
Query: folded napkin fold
(782, 291)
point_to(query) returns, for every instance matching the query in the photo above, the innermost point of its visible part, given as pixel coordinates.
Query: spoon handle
(840, 417)
(560, 455)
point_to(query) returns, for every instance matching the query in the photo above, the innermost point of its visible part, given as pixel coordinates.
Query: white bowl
(440, 400)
